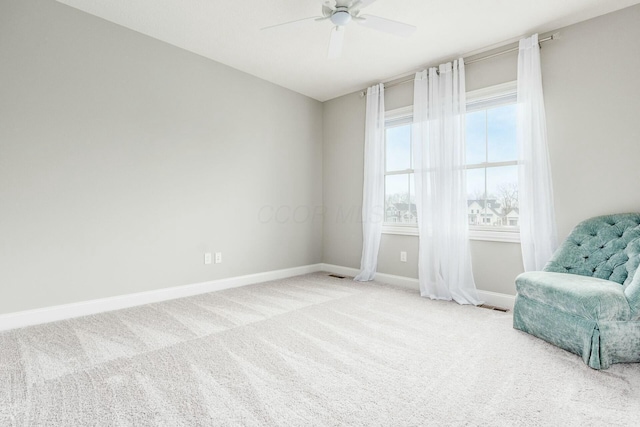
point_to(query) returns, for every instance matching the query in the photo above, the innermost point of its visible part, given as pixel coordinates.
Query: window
(492, 163)
(492, 167)
(399, 190)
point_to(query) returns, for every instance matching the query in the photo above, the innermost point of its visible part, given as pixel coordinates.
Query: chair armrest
(583, 296)
(632, 292)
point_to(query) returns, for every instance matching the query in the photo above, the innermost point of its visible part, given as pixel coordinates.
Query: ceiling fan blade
(361, 4)
(290, 22)
(386, 25)
(335, 44)
(327, 8)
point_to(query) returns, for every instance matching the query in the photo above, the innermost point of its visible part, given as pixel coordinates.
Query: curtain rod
(482, 58)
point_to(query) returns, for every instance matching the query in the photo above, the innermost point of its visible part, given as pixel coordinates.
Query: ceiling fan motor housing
(341, 17)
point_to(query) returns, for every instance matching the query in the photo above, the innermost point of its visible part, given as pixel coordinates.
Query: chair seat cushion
(583, 296)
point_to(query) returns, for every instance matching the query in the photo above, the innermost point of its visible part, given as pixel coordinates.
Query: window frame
(476, 100)
(482, 99)
(398, 116)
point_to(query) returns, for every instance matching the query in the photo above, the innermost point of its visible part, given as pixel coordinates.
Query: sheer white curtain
(538, 233)
(444, 259)
(373, 191)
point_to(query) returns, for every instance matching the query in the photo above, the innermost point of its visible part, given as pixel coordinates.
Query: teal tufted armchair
(587, 299)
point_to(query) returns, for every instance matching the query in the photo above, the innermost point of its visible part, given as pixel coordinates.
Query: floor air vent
(337, 276)
(493, 307)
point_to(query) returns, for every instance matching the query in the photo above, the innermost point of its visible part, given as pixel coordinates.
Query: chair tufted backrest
(605, 247)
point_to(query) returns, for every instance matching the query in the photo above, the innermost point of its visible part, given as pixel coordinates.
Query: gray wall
(124, 159)
(592, 95)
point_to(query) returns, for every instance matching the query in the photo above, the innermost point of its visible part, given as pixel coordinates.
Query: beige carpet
(310, 350)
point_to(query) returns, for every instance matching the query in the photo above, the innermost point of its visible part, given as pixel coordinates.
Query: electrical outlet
(207, 258)
(218, 257)
(403, 256)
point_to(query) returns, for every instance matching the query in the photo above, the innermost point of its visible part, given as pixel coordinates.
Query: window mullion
(491, 165)
(486, 160)
(402, 172)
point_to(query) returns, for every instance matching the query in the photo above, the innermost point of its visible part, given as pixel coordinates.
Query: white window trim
(402, 230)
(399, 113)
(490, 93)
(475, 232)
(492, 235)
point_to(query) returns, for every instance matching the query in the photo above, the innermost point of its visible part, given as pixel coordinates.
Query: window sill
(402, 230)
(495, 236)
(482, 235)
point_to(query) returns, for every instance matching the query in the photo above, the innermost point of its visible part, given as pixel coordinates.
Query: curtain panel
(538, 235)
(444, 259)
(373, 190)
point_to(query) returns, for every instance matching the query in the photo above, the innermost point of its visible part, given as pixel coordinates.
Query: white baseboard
(338, 269)
(68, 311)
(497, 299)
(491, 298)
(85, 308)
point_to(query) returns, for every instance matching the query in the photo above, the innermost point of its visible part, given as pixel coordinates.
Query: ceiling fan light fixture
(341, 18)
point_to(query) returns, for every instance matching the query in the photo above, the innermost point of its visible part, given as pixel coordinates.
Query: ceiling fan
(342, 13)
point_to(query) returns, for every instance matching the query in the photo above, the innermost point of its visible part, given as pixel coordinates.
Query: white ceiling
(295, 56)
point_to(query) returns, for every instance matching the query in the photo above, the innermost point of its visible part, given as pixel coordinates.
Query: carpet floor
(309, 350)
